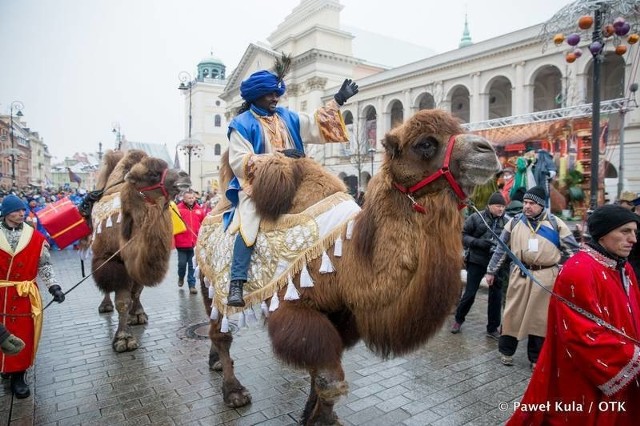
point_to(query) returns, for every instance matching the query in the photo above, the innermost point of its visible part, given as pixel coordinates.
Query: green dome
(211, 60)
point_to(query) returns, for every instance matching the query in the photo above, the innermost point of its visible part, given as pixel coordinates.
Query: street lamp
(372, 152)
(189, 146)
(15, 106)
(115, 128)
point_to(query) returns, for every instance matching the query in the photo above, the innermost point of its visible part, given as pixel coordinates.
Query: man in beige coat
(538, 239)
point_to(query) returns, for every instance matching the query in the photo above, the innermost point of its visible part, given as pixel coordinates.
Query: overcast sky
(79, 65)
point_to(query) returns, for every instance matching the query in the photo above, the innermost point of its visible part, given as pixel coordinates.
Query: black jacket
(478, 240)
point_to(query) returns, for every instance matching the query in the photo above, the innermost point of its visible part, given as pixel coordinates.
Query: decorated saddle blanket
(106, 212)
(282, 249)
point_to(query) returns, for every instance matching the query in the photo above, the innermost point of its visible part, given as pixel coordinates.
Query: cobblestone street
(78, 379)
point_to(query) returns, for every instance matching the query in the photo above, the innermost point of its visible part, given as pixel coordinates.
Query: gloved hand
(57, 293)
(348, 89)
(12, 345)
(293, 153)
(483, 244)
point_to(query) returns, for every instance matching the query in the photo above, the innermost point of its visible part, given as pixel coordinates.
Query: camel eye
(426, 146)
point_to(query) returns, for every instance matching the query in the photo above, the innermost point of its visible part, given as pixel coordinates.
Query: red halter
(160, 185)
(443, 171)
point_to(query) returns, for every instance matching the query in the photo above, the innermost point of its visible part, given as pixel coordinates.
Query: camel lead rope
(87, 277)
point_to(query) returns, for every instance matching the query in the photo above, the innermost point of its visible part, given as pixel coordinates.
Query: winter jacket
(478, 240)
(193, 217)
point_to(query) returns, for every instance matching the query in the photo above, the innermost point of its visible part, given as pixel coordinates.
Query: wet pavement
(79, 380)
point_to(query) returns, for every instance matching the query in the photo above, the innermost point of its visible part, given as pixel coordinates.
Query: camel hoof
(239, 397)
(124, 343)
(105, 308)
(138, 319)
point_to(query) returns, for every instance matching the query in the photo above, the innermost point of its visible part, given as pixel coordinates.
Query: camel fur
(133, 250)
(397, 278)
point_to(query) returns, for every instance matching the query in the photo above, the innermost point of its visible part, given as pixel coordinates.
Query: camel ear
(391, 144)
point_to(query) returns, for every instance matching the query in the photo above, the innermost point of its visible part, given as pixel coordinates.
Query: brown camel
(398, 276)
(133, 233)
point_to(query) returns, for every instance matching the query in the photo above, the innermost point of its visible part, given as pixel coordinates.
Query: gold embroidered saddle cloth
(282, 249)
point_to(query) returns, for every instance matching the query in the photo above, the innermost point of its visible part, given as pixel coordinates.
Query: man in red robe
(589, 370)
(24, 254)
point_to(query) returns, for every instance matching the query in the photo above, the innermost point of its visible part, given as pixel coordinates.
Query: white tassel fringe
(326, 267)
(275, 302)
(224, 327)
(305, 277)
(292, 292)
(214, 313)
(337, 248)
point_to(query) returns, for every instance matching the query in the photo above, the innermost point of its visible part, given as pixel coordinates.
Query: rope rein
(87, 277)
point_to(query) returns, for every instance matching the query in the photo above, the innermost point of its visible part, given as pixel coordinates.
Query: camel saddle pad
(282, 249)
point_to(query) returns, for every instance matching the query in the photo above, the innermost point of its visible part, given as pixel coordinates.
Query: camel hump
(274, 186)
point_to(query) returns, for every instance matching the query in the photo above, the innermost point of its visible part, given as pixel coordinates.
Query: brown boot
(235, 294)
(180, 281)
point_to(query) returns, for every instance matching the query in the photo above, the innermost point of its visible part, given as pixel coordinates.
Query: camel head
(417, 150)
(156, 182)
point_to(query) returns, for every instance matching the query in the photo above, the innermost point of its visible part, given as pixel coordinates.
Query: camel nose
(482, 145)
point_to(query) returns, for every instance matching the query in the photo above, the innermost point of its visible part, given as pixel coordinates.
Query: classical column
(478, 108)
(521, 96)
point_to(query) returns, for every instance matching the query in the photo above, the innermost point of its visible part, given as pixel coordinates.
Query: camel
(398, 276)
(133, 235)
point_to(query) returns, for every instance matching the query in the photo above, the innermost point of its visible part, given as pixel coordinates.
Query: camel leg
(137, 315)
(123, 341)
(233, 393)
(305, 338)
(106, 305)
(328, 385)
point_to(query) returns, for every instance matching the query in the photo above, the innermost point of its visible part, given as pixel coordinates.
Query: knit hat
(537, 194)
(518, 194)
(606, 218)
(496, 198)
(261, 83)
(10, 204)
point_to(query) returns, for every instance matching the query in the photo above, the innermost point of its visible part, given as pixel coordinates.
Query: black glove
(348, 89)
(57, 293)
(293, 153)
(483, 244)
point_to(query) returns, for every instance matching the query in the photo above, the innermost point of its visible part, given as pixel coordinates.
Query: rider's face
(268, 102)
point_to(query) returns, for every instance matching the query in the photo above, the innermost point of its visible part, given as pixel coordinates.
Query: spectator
(538, 239)
(479, 244)
(588, 371)
(192, 215)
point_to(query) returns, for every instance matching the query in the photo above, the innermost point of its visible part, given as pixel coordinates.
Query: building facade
(514, 89)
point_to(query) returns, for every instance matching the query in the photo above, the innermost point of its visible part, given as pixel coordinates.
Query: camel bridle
(160, 185)
(445, 172)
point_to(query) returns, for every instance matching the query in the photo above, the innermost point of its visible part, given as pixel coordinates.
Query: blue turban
(261, 83)
(11, 204)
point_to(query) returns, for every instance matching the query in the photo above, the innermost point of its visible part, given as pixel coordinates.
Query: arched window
(216, 149)
(218, 120)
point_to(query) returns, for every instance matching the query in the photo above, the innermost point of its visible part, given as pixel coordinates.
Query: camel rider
(24, 254)
(260, 129)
